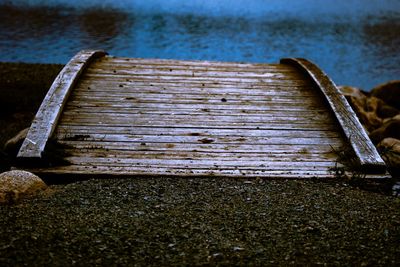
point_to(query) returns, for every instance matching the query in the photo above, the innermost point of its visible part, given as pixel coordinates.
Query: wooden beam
(49, 112)
(368, 157)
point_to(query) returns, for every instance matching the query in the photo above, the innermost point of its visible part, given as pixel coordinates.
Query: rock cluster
(379, 113)
(15, 185)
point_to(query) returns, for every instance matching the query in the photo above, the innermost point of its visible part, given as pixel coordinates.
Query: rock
(16, 184)
(389, 149)
(380, 108)
(13, 145)
(392, 144)
(397, 117)
(389, 129)
(371, 111)
(366, 110)
(385, 111)
(349, 91)
(389, 93)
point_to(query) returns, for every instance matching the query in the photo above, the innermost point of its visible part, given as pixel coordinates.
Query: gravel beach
(171, 221)
(163, 221)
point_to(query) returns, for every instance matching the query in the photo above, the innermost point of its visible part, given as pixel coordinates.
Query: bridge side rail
(50, 110)
(368, 157)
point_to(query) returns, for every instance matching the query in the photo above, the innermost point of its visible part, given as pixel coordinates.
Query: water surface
(356, 42)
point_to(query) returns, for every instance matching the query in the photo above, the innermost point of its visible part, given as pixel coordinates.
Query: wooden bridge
(109, 115)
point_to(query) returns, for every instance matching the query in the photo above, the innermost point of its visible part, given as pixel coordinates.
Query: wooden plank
(218, 118)
(195, 104)
(195, 111)
(186, 63)
(93, 87)
(140, 94)
(199, 147)
(118, 84)
(276, 124)
(163, 171)
(178, 154)
(200, 100)
(239, 117)
(190, 74)
(170, 98)
(140, 64)
(365, 151)
(185, 125)
(196, 163)
(245, 105)
(193, 70)
(200, 80)
(202, 108)
(106, 171)
(188, 139)
(50, 110)
(70, 131)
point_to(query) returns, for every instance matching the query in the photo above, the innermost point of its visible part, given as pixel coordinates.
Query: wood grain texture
(197, 118)
(50, 110)
(366, 152)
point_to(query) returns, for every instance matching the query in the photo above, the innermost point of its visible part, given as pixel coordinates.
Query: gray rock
(17, 184)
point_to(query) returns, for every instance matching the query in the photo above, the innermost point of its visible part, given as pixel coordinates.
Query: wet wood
(197, 118)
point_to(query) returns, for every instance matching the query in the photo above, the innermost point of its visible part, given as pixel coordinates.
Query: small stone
(17, 184)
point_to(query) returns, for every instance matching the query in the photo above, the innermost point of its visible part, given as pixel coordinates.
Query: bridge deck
(125, 116)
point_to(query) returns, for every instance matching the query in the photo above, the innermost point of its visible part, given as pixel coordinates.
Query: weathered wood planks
(49, 112)
(194, 118)
(366, 152)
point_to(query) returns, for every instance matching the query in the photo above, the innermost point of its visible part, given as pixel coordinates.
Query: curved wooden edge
(50, 110)
(368, 156)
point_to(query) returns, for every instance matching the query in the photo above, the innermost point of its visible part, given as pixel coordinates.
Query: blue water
(356, 42)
